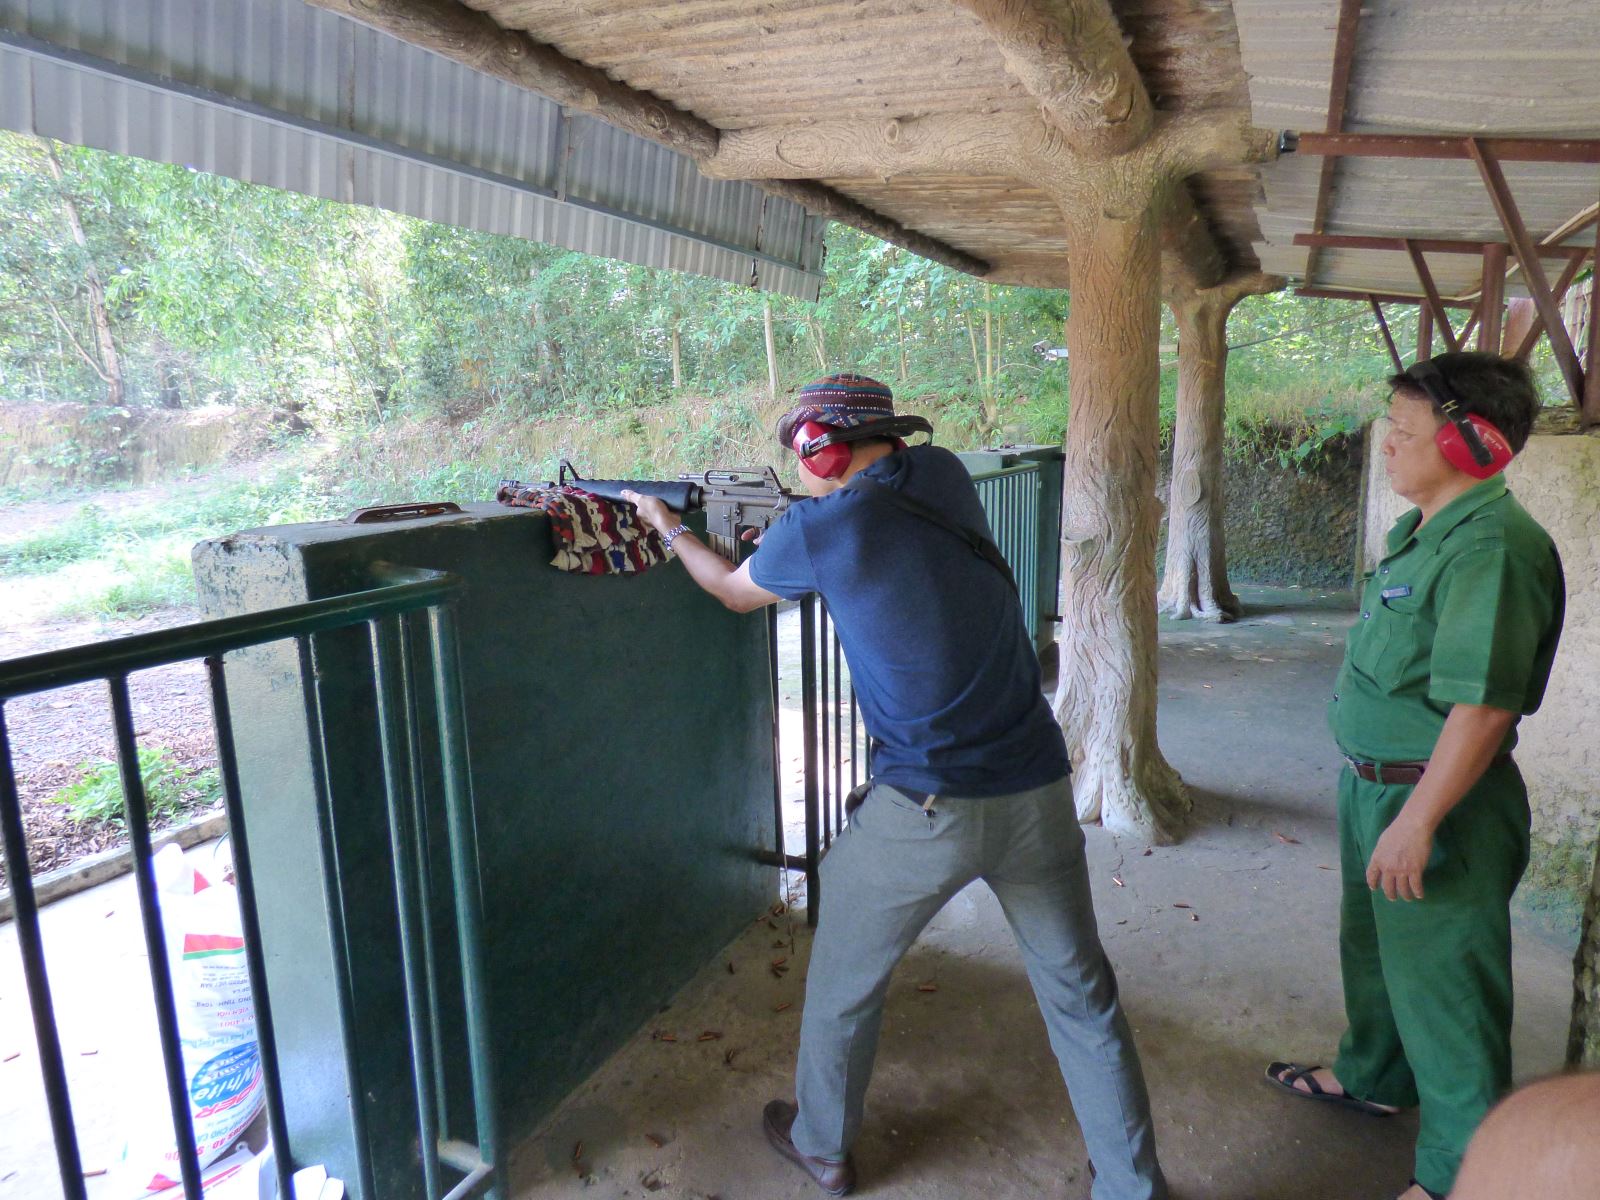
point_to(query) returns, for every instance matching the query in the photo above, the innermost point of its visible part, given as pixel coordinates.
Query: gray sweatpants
(885, 877)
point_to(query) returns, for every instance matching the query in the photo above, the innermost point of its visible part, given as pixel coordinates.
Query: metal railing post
(155, 938)
(464, 874)
(30, 941)
(338, 937)
(250, 920)
(808, 734)
(396, 780)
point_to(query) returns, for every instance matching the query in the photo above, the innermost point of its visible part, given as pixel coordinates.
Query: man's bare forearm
(705, 566)
(1471, 737)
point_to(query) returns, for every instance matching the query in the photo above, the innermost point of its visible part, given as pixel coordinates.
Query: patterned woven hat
(843, 401)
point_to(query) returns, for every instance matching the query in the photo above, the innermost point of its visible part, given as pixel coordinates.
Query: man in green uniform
(1454, 641)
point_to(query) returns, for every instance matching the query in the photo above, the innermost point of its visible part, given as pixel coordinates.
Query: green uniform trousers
(1427, 983)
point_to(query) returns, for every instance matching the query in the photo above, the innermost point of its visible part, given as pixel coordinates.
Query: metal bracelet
(670, 535)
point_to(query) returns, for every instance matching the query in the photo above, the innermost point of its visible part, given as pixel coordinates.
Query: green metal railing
(832, 735)
(1010, 498)
(412, 608)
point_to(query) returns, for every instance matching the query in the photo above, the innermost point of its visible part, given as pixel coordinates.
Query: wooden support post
(1521, 321)
(1424, 333)
(1492, 300)
(1590, 409)
(1465, 336)
(1532, 269)
(1530, 338)
(1388, 338)
(1434, 305)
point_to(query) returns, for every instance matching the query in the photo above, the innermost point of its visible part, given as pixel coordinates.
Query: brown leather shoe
(835, 1178)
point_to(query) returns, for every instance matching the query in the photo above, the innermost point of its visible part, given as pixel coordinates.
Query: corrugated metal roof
(738, 65)
(278, 93)
(1420, 66)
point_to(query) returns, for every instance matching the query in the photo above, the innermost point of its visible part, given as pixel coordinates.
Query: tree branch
(879, 149)
(73, 338)
(1071, 55)
(1188, 143)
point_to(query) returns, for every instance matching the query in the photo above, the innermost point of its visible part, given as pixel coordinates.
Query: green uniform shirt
(1465, 610)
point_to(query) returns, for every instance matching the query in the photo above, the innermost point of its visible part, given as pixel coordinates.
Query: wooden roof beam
(1532, 269)
(1406, 145)
(1344, 54)
(1388, 338)
(1324, 293)
(1071, 56)
(473, 39)
(1344, 241)
(1530, 337)
(1435, 305)
(1013, 144)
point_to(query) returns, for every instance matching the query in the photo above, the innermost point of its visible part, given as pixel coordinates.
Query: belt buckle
(1375, 768)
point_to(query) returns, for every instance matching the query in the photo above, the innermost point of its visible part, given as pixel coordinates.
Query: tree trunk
(1195, 583)
(772, 356)
(900, 330)
(1106, 699)
(1583, 1044)
(819, 343)
(677, 359)
(99, 315)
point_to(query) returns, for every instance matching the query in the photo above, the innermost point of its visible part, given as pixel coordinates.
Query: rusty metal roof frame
(274, 92)
(1421, 85)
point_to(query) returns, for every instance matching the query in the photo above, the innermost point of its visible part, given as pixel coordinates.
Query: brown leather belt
(1402, 773)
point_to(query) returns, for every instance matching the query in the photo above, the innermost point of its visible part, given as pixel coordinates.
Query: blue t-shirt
(943, 666)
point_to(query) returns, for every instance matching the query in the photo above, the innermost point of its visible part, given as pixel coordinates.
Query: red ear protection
(1455, 444)
(827, 462)
(1468, 442)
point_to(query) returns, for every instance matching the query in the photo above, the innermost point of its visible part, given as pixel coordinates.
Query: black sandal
(1286, 1075)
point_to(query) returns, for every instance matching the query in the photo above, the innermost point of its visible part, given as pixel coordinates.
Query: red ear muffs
(1490, 455)
(826, 462)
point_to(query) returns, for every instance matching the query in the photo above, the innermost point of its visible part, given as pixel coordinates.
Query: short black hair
(1498, 389)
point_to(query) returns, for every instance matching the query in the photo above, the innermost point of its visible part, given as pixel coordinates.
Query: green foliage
(82, 536)
(120, 564)
(135, 580)
(168, 787)
(361, 321)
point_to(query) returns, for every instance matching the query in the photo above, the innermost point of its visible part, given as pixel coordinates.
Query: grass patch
(81, 537)
(112, 564)
(169, 786)
(139, 579)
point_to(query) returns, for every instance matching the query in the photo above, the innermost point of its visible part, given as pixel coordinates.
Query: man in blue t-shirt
(968, 774)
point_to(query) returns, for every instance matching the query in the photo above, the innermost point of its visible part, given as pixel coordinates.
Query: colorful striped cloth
(593, 536)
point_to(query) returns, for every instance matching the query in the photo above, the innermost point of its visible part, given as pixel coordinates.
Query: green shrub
(168, 787)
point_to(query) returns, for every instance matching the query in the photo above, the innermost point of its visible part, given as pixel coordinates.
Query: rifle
(731, 499)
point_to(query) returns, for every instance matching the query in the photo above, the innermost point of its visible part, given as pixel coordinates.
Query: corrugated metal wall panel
(309, 102)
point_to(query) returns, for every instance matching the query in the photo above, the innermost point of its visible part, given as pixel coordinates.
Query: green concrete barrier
(620, 740)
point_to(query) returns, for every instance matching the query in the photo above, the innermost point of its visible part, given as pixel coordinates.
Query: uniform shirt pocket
(1401, 640)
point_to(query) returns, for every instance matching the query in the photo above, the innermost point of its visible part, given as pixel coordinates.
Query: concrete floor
(100, 982)
(966, 1100)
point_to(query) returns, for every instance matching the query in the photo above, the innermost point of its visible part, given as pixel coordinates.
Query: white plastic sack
(216, 1025)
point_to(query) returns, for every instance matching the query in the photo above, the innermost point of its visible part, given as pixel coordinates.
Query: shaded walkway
(966, 1100)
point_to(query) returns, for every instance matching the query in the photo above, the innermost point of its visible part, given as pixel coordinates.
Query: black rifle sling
(981, 546)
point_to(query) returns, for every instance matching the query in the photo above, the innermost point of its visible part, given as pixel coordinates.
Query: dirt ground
(53, 733)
